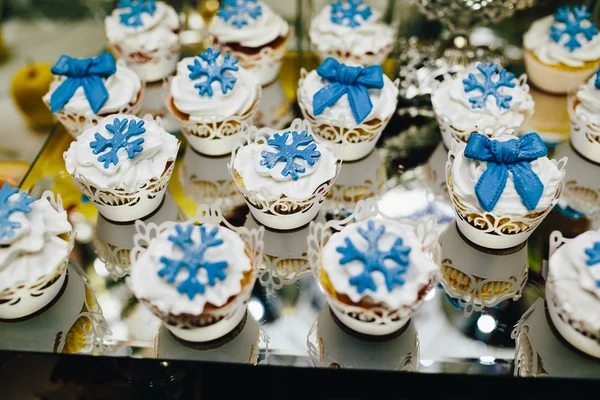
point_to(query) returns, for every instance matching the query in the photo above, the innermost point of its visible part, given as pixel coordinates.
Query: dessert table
(483, 326)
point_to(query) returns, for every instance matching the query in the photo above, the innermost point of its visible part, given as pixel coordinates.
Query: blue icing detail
(193, 259)
(133, 17)
(593, 254)
(354, 82)
(289, 152)
(490, 86)
(8, 207)
(597, 81)
(514, 156)
(352, 13)
(569, 212)
(86, 73)
(373, 259)
(213, 71)
(572, 18)
(239, 12)
(119, 140)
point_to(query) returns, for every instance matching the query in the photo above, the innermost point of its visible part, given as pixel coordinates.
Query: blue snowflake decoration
(373, 259)
(239, 12)
(597, 81)
(593, 254)
(213, 72)
(493, 81)
(352, 13)
(572, 17)
(289, 152)
(193, 259)
(120, 140)
(8, 207)
(133, 16)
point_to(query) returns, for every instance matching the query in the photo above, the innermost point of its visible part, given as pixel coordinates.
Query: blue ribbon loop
(353, 81)
(512, 156)
(86, 73)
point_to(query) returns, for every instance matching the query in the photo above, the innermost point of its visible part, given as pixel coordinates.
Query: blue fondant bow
(513, 155)
(86, 73)
(353, 81)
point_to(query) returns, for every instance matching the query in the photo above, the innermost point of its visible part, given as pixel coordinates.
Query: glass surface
(466, 324)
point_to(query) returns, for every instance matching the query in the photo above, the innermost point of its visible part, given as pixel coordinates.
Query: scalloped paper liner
(452, 134)
(76, 123)
(218, 134)
(122, 206)
(265, 64)
(359, 140)
(377, 319)
(26, 298)
(363, 59)
(283, 213)
(150, 66)
(585, 135)
(216, 322)
(489, 229)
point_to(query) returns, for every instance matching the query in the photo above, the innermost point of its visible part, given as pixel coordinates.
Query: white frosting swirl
(236, 101)
(257, 33)
(370, 37)
(537, 39)
(159, 148)
(265, 182)
(466, 173)
(575, 283)
(147, 285)
(384, 100)
(451, 100)
(123, 88)
(157, 31)
(589, 102)
(420, 271)
(36, 249)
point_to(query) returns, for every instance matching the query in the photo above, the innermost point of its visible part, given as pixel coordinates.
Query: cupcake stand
(481, 324)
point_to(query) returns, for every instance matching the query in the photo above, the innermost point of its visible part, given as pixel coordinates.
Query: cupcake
(348, 104)
(584, 113)
(196, 279)
(484, 98)
(252, 33)
(475, 277)
(283, 176)
(145, 34)
(502, 188)
(375, 273)
(573, 292)
(562, 50)
(351, 32)
(35, 242)
(123, 165)
(212, 96)
(85, 90)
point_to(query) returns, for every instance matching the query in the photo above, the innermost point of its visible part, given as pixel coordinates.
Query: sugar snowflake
(593, 254)
(238, 12)
(213, 71)
(193, 259)
(8, 207)
(289, 152)
(133, 17)
(490, 86)
(119, 140)
(572, 19)
(373, 259)
(347, 14)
